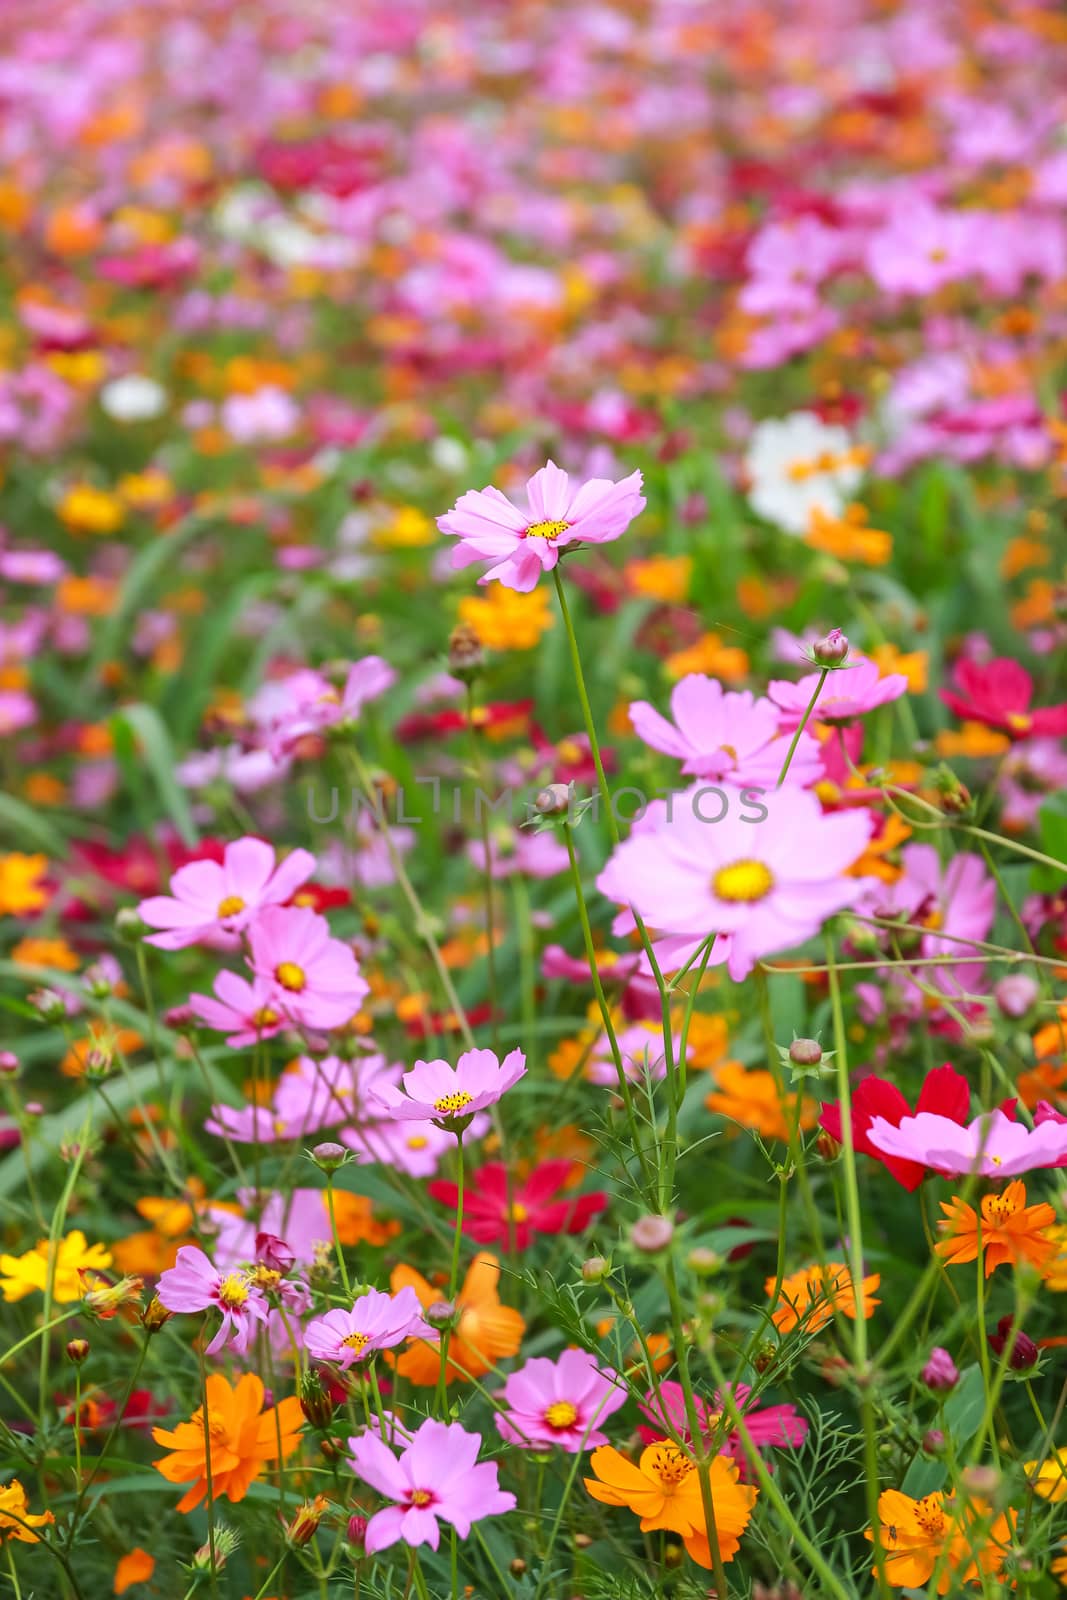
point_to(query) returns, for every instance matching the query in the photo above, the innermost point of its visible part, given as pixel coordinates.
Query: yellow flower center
(449, 1104)
(230, 906)
(421, 1497)
(518, 1212)
(546, 530)
(264, 1277)
(929, 1515)
(1018, 722)
(418, 1141)
(1000, 1208)
(668, 1465)
(561, 1414)
(290, 976)
(355, 1341)
(265, 1017)
(746, 880)
(233, 1291)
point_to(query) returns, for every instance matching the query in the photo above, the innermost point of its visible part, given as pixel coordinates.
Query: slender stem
(205, 1420)
(861, 1364)
(482, 818)
(696, 1437)
(583, 701)
(338, 1252)
(801, 725)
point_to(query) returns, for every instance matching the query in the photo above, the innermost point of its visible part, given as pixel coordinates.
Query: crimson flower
(487, 1218)
(501, 714)
(944, 1092)
(998, 693)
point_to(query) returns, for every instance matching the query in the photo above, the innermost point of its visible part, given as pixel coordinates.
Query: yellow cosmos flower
(21, 1275)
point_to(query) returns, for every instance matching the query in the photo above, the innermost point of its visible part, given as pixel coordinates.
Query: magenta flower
(310, 704)
(774, 1427)
(522, 544)
(309, 1096)
(376, 1321)
(212, 900)
(732, 737)
(245, 1012)
(437, 1478)
(194, 1284)
(316, 980)
(436, 1092)
(991, 1145)
(848, 692)
(559, 1402)
(698, 866)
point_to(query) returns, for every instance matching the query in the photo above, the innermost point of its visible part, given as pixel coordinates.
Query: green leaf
(155, 749)
(28, 828)
(1052, 828)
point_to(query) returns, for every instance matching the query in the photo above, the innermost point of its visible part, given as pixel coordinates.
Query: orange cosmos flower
(137, 1567)
(485, 1333)
(960, 1538)
(751, 1098)
(241, 1438)
(1009, 1230)
(811, 1297)
(663, 1489)
(15, 1519)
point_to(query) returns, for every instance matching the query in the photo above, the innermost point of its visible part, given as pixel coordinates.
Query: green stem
(583, 701)
(824, 673)
(339, 1253)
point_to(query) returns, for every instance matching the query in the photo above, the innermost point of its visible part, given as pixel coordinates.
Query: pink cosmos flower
(437, 1478)
(726, 735)
(522, 544)
(310, 1095)
(410, 1146)
(954, 902)
(559, 1402)
(848, 692)
(770, 1426)
(194, 1284)
(537, 855)
(212, 901)
(376, 1321)
(245, 1012)
(17, 711)
(991, 1145)
(760, 886)
(642, 1052)
(316, 980)
(307, 703)
(436, 1092)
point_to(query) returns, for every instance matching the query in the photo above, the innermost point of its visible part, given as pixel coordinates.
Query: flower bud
(98, 1063)
(98, 983)
(9, 1064)
(328, 1157)
(652, 1234)
(517, 1567)
(554, 800)
(333, 1449)
(273, 1253)
(981, 1481)
(940, 1372)
(441, 1314)
(805, 1052)
(827, 1146)
(155, 1315)
(933, 1443)
(1023, 1353)
(77, 1350)
(596, 1269)
(48, 1005)
(703, 1261)
(831, 650)
(305, 1523)
(466, 653)
(181, 1019)
(128, 926)
(315, 1400)
(1015, 994)
(356, 1531)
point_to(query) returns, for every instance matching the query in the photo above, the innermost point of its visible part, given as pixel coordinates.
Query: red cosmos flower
(425, 724)
(486, 1217)
(998, 693)
(944, 1092)
(429, 1023)
(320, 897)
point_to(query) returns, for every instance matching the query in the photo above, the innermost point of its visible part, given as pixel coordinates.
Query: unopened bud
(554, 800)
(652, 1234)
(1015, 994)
(47, 1004)
(940, 1372)
(128, 926)
(517, 1567)
(933, 1442)
(466, 653)
(703, 1261)
(827, 1146)
(333, 1449)
(155, 1315)
(181, 1019)
(77, 1351)
(1023, 1353)
(805, 1052)
(98, 1063)
(440, 1314)
(315, 1400)
(356, 1531)
(98, 983)
(831, 650)
(596, 1269)
(9, 1064)
(329, 1157)
(981, 1481)
(273, 1252)
(305, 1523)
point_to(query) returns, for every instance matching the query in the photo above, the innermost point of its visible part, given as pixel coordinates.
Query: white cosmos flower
(133, 398)
(800, 464)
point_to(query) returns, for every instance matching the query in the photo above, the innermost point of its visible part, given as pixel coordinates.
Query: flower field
(533, 836)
